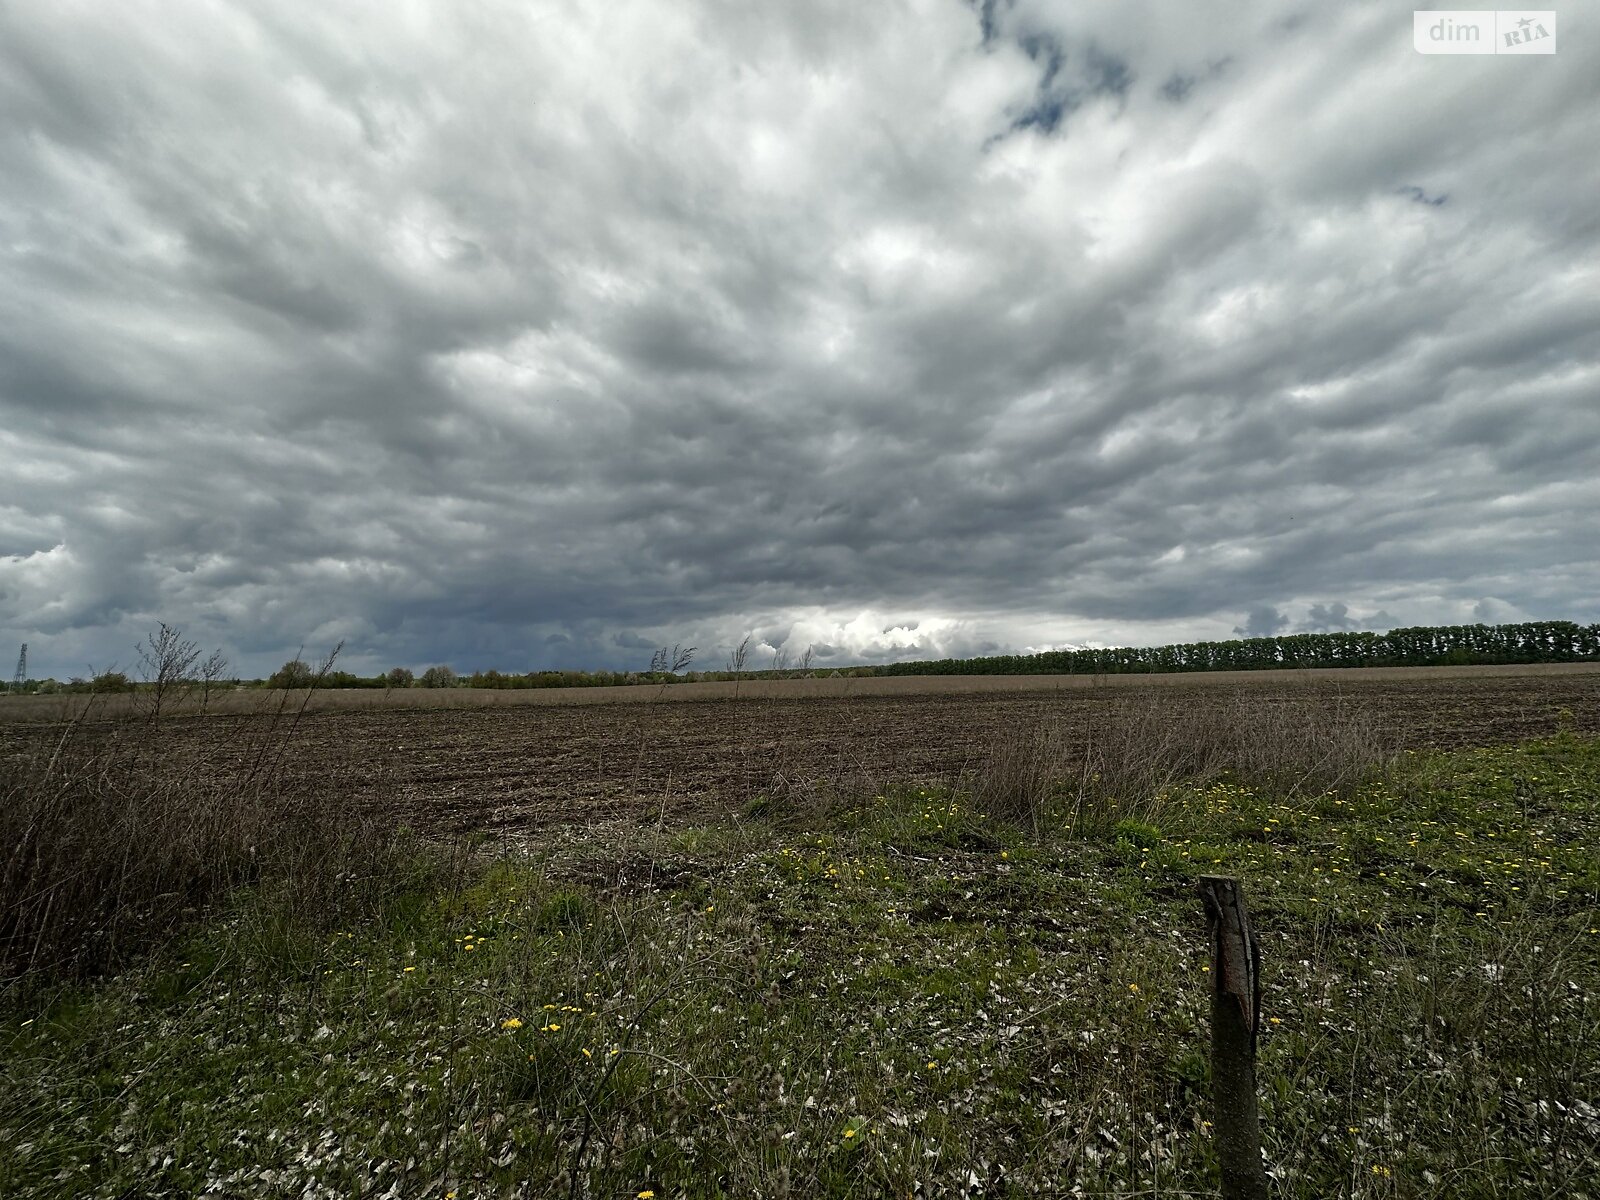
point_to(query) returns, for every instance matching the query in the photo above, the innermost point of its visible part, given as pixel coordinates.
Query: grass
(1127, 760)
(900, 995)
(118, 836)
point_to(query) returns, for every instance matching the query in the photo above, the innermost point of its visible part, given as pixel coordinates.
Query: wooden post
(1235, 1023)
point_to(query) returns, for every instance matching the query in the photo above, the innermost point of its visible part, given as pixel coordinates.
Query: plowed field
(521, 767)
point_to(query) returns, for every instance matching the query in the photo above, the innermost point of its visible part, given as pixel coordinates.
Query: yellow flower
(552, 1027)
(1133, 987)
(511, 1023)
(848, 1134)
(647, 1194)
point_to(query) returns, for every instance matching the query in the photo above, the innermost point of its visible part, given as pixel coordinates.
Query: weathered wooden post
(1235, 1023)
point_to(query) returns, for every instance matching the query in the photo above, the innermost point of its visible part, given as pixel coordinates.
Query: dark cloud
(1004, 326)
(1337, 618)
(1262, 622)
(632, 641)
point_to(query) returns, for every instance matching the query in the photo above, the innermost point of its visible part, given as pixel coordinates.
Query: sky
(535, 334)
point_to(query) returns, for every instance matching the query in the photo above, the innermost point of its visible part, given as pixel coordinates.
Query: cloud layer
(525, 336)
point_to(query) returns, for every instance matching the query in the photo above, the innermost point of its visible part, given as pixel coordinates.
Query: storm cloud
(531, 335)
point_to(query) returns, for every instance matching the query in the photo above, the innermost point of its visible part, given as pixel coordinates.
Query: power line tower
(22, 669)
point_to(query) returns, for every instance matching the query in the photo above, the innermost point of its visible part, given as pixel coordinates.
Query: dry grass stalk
(1119, 763)
(117, 834)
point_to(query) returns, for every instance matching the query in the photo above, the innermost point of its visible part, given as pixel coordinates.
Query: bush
(400, 677)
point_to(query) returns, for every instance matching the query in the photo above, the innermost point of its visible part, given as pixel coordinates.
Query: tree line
(169, 661)
(1417, 646)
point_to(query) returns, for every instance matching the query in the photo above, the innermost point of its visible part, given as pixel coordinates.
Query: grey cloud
(632, 641)
(1180, 86)
(505, 368)
(1262, 622)
(1336, 617)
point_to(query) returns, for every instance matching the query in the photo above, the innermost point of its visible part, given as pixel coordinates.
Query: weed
(118, 837)
(1126, 759)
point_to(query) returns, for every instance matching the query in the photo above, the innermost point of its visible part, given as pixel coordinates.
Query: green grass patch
(907, 998)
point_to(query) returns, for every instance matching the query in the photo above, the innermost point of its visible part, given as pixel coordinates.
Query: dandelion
(511, 1023)
(647, 1194)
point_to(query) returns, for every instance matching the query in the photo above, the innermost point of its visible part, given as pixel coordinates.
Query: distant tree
(212, 672)
(166, 663)
(349, 679)
(439, 677)
(293, 674)
(400, 677)
(740, 654)
(111, 681)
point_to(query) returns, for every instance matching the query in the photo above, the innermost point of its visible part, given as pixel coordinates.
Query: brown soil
(524, 767)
